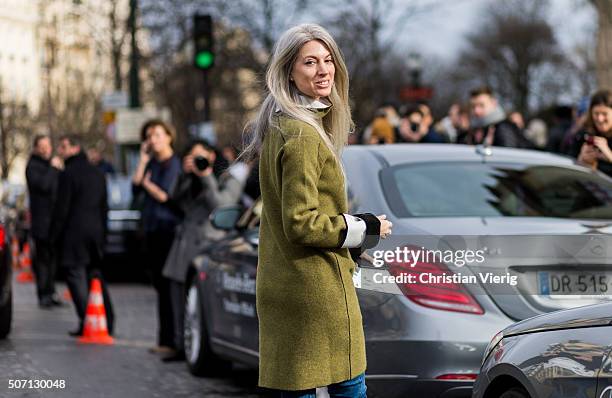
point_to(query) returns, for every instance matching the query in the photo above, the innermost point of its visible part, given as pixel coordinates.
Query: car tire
(516, 392)
(201, 360)
(6, 316)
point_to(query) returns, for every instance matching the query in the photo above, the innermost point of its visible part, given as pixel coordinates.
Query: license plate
(556, 283)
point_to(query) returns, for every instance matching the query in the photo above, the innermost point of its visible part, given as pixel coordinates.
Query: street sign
(129, 122)
(414, 94)
(115, 100)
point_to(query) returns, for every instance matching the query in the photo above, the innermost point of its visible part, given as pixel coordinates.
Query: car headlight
(492, 344)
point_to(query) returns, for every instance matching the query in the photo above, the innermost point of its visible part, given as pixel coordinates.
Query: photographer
(196, 193)
(411, 128)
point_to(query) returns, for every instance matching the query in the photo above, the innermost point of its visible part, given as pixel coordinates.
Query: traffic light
(204, 53)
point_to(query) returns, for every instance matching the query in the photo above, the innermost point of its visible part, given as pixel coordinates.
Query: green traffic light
(204, 59)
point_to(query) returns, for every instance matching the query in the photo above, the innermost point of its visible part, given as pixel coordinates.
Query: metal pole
(206, 97)
(134, 58)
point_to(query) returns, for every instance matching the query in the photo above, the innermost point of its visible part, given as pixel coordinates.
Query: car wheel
(516, 392)
(6, 315)
(201, 360)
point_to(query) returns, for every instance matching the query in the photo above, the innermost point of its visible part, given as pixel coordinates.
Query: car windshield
(455, 189)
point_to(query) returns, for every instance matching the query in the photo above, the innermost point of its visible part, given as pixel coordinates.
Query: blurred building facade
(59, 57)
(20, 61)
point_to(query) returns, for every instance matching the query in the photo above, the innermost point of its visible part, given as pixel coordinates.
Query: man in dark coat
(79, 225)
(42, 174)
(489, 123)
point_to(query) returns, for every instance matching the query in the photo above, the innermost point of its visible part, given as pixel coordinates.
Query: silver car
(537, 221)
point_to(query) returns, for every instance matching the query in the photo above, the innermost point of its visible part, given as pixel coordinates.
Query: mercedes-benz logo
(597, 250)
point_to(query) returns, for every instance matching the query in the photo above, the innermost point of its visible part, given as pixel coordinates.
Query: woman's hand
(385, 226)
(188, 164)
(156, 192)
(145, 156)
(146, 181)
(588, 155)
(57, 163)
(143, 160)
(604, 153)
(407, 132)
(203, 173)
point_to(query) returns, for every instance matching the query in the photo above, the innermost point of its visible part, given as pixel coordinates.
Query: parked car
(123, 237)
(6, 296)
(561, 354)
(538, 217)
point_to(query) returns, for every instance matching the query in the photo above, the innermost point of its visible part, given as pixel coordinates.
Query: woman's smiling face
(313, 71)
(602, 118)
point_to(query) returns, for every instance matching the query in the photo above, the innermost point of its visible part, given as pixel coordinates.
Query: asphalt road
(39, 348)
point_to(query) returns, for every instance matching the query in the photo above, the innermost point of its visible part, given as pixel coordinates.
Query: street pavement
(39, 348)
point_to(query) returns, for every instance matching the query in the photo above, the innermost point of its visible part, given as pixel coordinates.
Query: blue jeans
(354, 388)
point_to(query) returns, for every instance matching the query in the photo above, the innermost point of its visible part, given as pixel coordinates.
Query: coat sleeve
(303, 222)
(62, 206)
(104, 208)
(181, 191)
(41, 180)
(226, 193)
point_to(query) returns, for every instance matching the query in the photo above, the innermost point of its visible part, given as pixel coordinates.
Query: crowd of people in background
(583, 131)
(176, 194)
(68, 207)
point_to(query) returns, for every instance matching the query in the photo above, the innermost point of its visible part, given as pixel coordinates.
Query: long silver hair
(283, 94)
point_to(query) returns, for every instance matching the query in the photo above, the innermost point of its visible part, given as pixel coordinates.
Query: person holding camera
(156, 173)
(592, 146)
(411, 128)
(196, 193)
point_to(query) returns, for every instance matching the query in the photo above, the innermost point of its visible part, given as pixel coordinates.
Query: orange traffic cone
(15, 252)
(25, 275)
(95, 330)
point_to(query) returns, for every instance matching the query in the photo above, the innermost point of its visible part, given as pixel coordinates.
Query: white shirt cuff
(355, 231)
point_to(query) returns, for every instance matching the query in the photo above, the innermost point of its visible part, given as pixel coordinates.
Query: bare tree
(604, 43)
(179, 85)
(377, 69)
(118, 35)
(265, 20)
(514, 51)
(16, 129)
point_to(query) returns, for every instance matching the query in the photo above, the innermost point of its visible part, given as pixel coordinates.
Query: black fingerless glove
(372, 234)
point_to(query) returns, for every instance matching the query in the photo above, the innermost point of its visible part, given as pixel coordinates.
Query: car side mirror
(226, 217)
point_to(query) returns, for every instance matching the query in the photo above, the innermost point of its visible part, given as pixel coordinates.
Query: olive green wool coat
(310, 326)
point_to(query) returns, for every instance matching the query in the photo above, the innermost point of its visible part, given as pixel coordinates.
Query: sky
(441, 32)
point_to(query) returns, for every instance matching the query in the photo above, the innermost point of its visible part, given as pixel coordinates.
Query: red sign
(409, 93)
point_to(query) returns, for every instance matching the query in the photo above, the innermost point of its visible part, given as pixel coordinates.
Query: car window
(119, 191)
(455, 189)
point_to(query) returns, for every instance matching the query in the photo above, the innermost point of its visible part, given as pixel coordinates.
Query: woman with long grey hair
(310, 326)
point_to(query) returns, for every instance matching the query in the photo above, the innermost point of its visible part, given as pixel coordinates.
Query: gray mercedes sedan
(482, 238)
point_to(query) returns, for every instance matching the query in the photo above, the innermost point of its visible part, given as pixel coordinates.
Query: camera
(201, 163)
